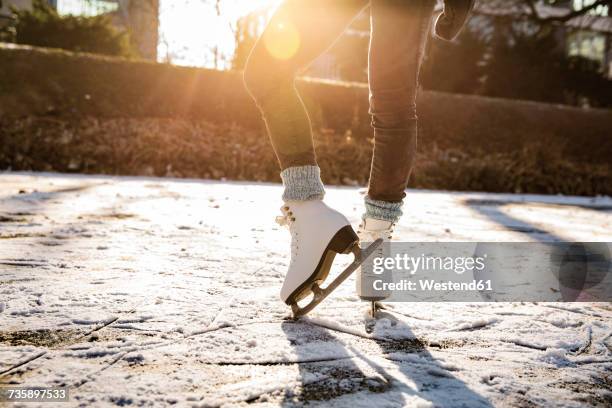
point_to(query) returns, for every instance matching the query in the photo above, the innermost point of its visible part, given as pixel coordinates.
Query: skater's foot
(318, 233)
(370, 230)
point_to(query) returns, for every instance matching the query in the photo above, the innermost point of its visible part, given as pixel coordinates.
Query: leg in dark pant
(399, 33)
(299, 31)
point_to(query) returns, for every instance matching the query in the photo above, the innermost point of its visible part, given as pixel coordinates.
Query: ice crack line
(91, 376)
(37, 356)
(274, 363)
(22, 363)
(521, 343)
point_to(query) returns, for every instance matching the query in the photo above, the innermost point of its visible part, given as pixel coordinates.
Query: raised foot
(319, 294)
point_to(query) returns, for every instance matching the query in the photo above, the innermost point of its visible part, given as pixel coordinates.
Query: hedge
(77, 112)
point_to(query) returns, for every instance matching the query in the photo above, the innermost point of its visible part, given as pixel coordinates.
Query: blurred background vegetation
(61, 111)
(43, 26)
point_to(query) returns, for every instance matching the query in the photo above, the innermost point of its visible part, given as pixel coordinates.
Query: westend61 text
(431, 285)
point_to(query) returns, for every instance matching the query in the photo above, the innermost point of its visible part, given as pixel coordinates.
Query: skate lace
(287, 220)
(371, 236)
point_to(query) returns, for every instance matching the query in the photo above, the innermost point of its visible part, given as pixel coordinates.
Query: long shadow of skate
(434, 379)
(327, 370)
(402, 372)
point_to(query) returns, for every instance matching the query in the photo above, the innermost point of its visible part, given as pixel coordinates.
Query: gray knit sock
(302, 183)
(382, 210)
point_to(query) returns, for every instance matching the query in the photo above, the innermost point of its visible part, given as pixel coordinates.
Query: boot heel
(343, 241)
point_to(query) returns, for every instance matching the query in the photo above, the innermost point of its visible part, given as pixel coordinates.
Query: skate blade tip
(296, 311)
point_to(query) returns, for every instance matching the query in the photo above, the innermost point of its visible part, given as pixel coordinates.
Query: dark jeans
(300, 31)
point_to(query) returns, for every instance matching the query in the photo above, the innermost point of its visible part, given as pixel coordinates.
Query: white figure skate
(318, 234)
(371, 230)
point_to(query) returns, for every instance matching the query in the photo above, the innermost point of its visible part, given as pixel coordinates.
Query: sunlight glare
(282, 40)
(191, 32)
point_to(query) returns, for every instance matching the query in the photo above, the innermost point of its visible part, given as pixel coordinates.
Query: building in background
(593, 41)
(86, 7)
(588, 35)
(141, 17)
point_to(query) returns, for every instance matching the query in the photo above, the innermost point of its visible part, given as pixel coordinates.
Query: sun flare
(195, 33)
(282, 40)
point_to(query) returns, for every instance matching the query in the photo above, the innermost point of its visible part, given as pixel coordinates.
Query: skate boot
(371, 230)
(318, 234)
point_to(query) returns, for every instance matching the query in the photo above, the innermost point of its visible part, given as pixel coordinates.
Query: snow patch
(476, 324)
(555, 356)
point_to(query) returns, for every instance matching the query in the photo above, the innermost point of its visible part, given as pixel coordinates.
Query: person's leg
(299, 31)
(399, 33)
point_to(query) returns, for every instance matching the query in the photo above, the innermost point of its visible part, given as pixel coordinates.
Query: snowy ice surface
(160, 292)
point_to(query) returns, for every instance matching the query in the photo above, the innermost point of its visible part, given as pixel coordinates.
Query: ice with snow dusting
(162, 292)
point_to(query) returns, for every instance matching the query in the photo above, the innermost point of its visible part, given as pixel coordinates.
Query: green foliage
(43, 26)
(515, 60)
(456, 66)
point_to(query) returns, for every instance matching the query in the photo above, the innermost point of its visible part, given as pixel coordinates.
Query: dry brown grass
(200, 149)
